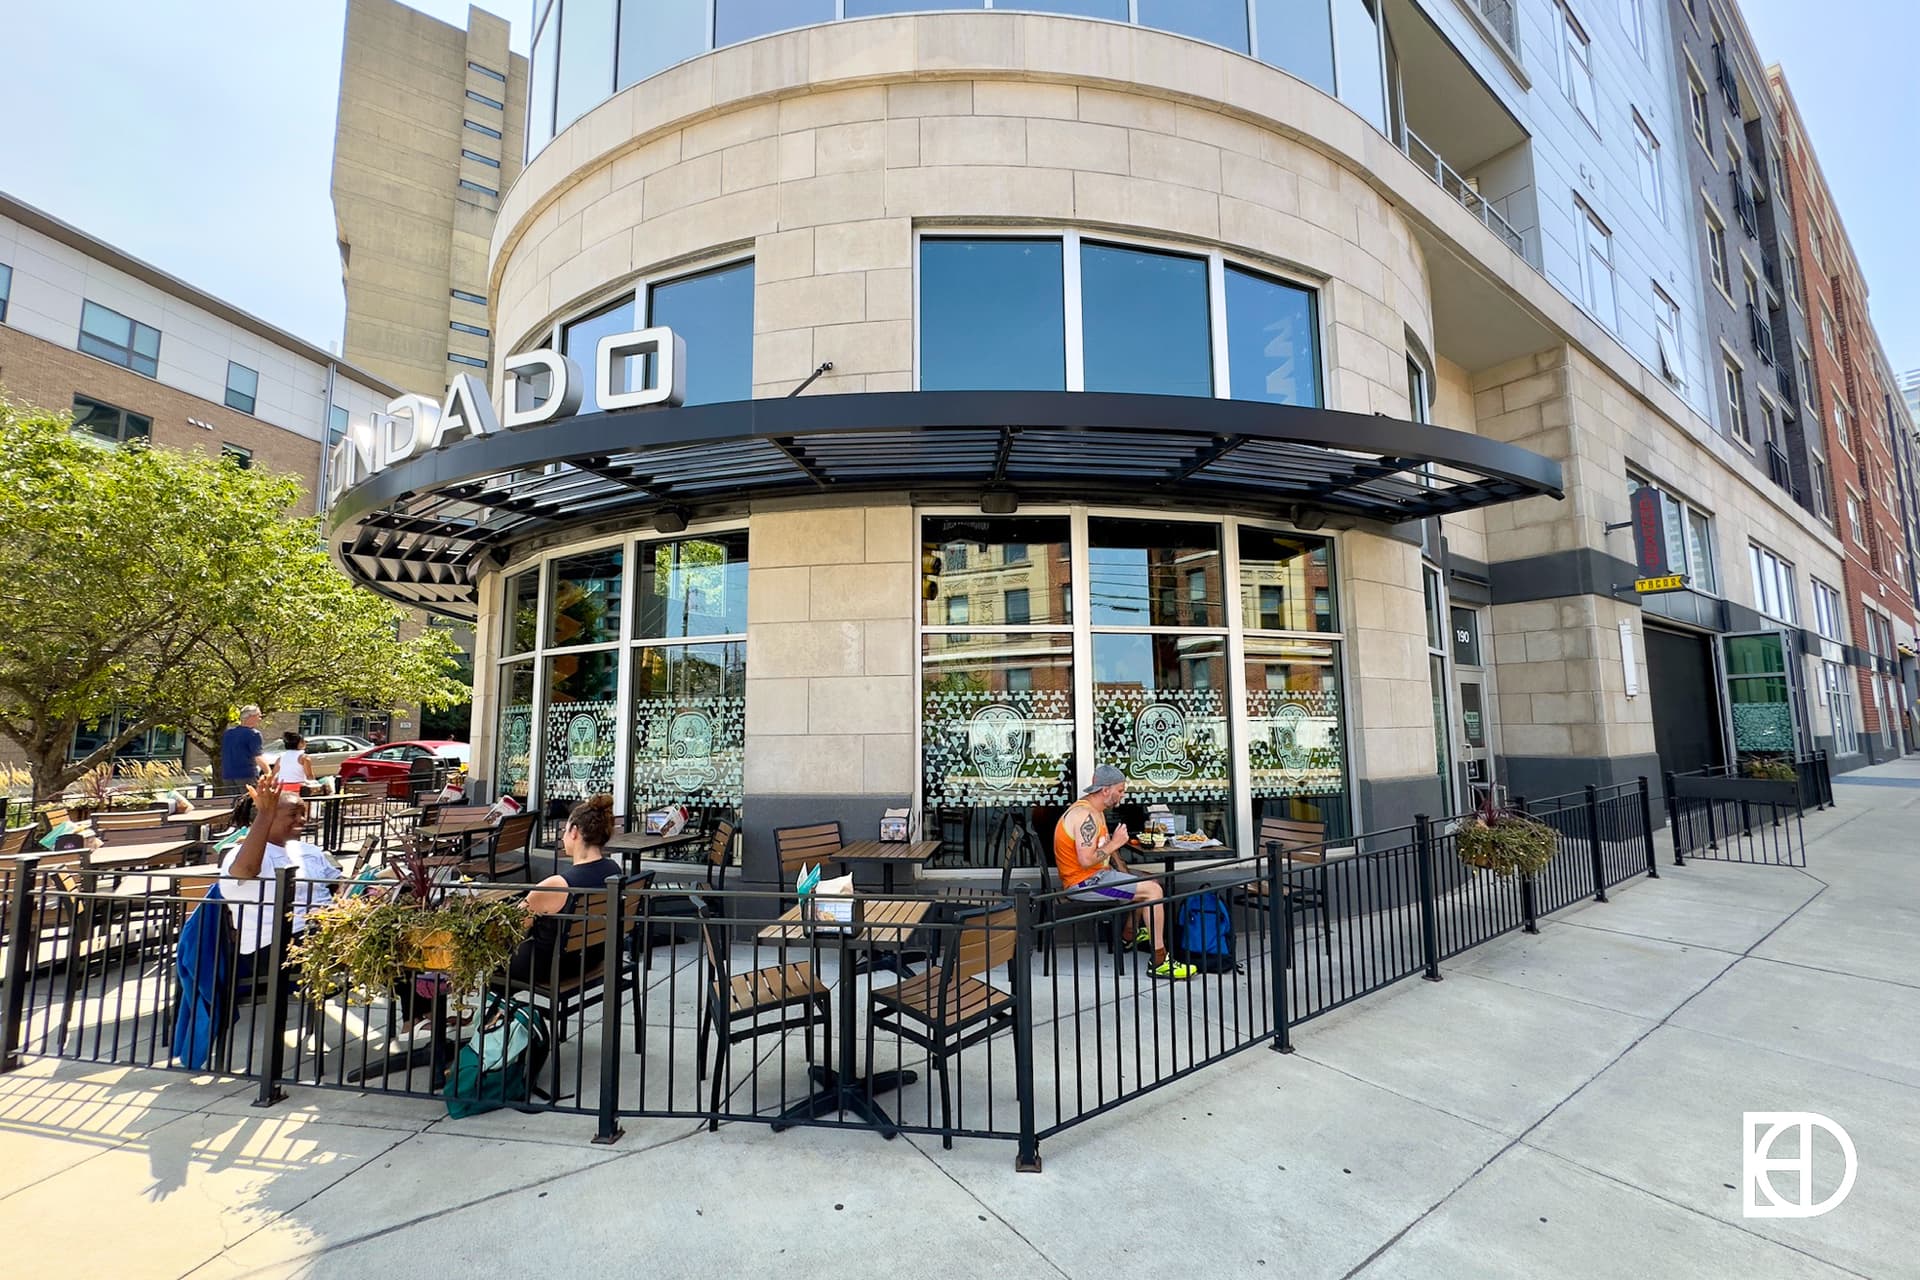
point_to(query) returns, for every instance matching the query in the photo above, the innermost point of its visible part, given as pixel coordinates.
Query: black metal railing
(1728, 815)
(1760, 332)
(1784, 379)
(1743, 204)
(1778, 468)
(1725, 77)
(989, 1015)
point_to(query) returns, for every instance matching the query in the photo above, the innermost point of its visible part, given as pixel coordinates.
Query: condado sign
(414, 425)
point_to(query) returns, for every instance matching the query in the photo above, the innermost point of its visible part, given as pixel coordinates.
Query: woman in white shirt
(295, 769)
(247, 873)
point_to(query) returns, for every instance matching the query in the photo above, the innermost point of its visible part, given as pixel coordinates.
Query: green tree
(172, 586)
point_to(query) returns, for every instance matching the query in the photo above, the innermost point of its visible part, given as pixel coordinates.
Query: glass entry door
(1763, 698)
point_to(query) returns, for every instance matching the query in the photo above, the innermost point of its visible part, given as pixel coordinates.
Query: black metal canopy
(422, 531)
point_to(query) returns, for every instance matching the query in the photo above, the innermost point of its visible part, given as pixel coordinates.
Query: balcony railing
(1450, 181)
(1778, 468)
(1770, 267)
(1783, 376)
(1761, 332)
(1744, 206)
(1724, 76)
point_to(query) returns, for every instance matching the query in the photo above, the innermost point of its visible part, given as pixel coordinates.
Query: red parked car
(394, 763)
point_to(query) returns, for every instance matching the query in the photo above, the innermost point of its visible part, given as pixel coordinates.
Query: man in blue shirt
(241, 761)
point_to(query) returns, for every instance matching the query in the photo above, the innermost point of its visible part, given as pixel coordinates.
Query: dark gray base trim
(1536, 777)
(760, 816)
(1393, 802)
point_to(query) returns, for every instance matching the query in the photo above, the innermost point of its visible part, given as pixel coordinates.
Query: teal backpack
(497, 1066)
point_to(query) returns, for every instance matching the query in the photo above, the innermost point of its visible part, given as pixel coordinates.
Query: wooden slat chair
(804, 846)
(948, 1008)
(671, 907)
(509, 849)
(737, 1003)
(1295, 843)
(129, 820)
(14, 839)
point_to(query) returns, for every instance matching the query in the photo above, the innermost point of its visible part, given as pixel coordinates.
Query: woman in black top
(584, 840)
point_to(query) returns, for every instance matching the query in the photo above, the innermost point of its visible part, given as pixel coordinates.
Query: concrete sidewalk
(1567, 1104)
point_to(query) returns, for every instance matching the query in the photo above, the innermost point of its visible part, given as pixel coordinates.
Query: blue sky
(203, 143)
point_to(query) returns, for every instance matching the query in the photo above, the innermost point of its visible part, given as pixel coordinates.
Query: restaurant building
(961, 400)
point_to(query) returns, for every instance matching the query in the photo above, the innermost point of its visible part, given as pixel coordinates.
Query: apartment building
(1248, 395)
(430, 132)
(137, 354)
(1869, 437)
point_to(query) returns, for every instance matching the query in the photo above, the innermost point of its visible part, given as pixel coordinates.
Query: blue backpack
(1204, 934)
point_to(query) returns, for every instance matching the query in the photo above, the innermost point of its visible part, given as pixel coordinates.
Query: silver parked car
(325, 751)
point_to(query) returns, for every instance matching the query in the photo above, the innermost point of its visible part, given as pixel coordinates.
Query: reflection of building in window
(1016, 610)
(956, 610)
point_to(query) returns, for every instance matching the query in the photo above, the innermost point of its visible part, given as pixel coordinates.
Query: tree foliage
(174, 586)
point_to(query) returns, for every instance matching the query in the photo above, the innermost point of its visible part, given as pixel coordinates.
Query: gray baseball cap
(1104, 776)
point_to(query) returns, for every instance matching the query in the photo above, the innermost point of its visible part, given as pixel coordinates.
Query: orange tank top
(1066, 846)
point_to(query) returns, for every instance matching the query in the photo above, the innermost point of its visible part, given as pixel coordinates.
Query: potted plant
(365, 945)
(1504, 842)
(1770, 768)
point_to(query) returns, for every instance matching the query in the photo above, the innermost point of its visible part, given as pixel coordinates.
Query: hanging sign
(1648, 509)
(1666, 582)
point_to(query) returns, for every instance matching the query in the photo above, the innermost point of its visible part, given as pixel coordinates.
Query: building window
(959, 610)
(1840, 424)
(243, 387)
(713, 312)
(466, 185)
(336, 425)
(994, 314)
(1599, 269)
(1357, 52)
(1634, 24)
(472, 362)
(1853, 518)
(1737, 423)
(1697, 108)
(1437, 617)
(587, 42)
(108, 424)
(489, 161)
(1576, 66)
(6, 289)
(485, 101)
(475, 298)
(1822, 505)
(240, 457)
(1017, 610)
(474, 329)
(1768, 431)
(1717, 253)
(1215, 23)
(580, 338)
(1826, 331)
(1646, 151)
(482, 129)
(1814, 242)
(112, 336)
(1836, 681)
(1666, 334)
(1808, 392)
(1773, 592)
(488, 72)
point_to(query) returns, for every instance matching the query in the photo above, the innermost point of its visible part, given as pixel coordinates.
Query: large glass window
(867, 8)
(577, 744)
(1363, 82)
(126, 342)
(1158, 573)
(1145, 320)
(586, 58)
(1272, 351)
(523, 611)
(997, 722)
(713, 313)
(108, 424)
(689, 724)
(1113, 10)
(993, 562)
(1296, 751)
(1297, 37)
(692, 587)
(655, 34)
(992, 315)
(542, 72)
(243, 387)
(1221, 22)
(6, 288)
(580, 339)
(583, 603)
(1689, 538)
(1760, 693)
(1286, 582)
(513, 731)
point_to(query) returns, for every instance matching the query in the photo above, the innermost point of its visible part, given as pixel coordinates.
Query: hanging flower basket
(1506, 844)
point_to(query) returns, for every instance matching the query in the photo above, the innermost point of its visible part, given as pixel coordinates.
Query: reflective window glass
(576, 745)
(1297, 37)
(689, 725)
(997, 720)
(1114, 10)
(967, 559)
(1272, 352)
(693, 587)
(1222, 22)
(1160, 715)
(1145, 321)
(713, 313)
(540, 78)
(736, 20)
(655, 34)
(1363, 84)
(583, 606)
(243, 387)
(126, 342)
(580, 338)
(992, 315)
(1296, 740)
(513, 730)
(865, 8)
(1286, 582)
(523, 611)
(1144, 573)
(586, 59)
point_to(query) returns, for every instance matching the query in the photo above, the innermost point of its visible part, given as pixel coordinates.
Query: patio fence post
(1429, 909)
(1646, 826)
(1280, 947)
(1593, 844)
(1027, 1159)
(1529, 904)
(1673, 818)
(276, 1047)
(20, 948)
(614, 960)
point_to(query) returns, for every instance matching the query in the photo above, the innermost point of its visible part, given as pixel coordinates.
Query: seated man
(1086, 856)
